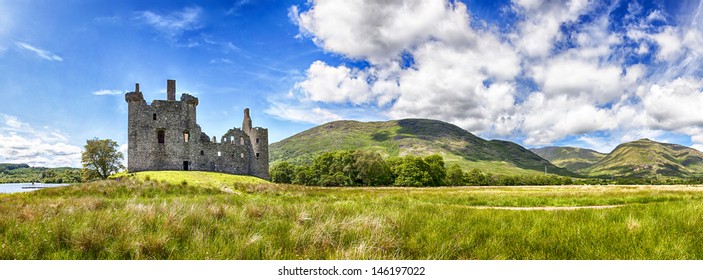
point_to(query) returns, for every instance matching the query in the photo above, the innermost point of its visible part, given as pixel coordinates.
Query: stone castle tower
(164, 135)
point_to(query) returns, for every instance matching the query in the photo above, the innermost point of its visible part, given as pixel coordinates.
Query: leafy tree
(371, 169)
(334, 168)
(304, 176)
(100, 158)
(435, 169)
(411, 171)
(283, 172)
(455, 176)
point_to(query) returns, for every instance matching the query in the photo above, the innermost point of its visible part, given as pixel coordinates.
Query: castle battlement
(164, 135)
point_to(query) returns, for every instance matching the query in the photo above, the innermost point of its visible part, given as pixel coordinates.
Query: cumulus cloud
(44, 54)
(22, 143)
(566, 76)
(457, 73)
(336, 84)
(452, 84)
(173, 24)
(560, 71)
(543, 19)
(674, 105)
(381, 30)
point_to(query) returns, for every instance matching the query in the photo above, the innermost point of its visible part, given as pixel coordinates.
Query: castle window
(241, 155)
(186, 136)
(241, 140)
(202, 153)
(257, 140)
(257, 155)
(160, 135)
(231, 139)
(153, 117)
(219, 154)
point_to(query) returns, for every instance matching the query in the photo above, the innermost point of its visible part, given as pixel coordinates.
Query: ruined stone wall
(165, 136)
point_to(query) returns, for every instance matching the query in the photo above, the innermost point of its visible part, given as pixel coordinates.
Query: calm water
(18, 187)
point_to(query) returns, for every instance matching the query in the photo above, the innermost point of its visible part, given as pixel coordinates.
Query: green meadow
(200, 215)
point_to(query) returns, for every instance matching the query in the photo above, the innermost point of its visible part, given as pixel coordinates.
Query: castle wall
(165, 136)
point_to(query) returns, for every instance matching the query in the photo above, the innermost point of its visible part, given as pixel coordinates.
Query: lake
(18, 187)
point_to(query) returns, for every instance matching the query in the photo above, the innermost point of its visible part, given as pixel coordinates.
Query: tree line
(367, 168)
(22, 173)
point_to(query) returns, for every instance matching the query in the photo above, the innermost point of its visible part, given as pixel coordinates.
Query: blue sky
(580, 73)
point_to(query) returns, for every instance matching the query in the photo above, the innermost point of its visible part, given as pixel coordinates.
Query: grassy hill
(573, 159)
(646, 159)
(412, 137)
(194, 178)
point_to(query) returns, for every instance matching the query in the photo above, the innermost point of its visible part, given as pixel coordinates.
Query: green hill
(23, 173)
(412, 137)
(645, 158)
(573, 159)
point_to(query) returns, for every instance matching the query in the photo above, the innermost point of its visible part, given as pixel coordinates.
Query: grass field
(236, 218)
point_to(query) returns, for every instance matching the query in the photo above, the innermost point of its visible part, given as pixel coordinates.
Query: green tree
(411, 171)
(304, 176)
(371, 169)
(435, 169)
(334, 168)
(455, 176)
(100, 159)
(283, 172)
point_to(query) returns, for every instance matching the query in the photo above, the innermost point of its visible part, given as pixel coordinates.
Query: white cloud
(577, 77)
(379, 31)
(674, 105)
(335, 84)
(656, 15)
(108, 92)
(547, 119)
(459, 74)
(123, 149)
(552, 75)
(39, 52)
(314, 115)
(22, 143)
(541, 26)
(452, 84)
(173, 24)
(669, 42)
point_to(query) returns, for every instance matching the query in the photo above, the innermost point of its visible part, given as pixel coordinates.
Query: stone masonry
(164, 135)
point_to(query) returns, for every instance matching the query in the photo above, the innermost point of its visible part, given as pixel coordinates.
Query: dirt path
(546, 208)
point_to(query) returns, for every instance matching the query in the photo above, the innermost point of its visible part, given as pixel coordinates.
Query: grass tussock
(135, 218)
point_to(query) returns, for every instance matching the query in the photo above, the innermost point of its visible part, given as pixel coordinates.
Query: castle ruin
(164, 135)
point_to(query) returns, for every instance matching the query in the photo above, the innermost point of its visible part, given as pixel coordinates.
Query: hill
(413, 137)
(645, 158)
(198, 178)
(573, 159)
(23, 173)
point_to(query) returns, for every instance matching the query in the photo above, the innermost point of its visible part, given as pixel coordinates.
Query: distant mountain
(645, 158)
(413, 137)
(573, 159)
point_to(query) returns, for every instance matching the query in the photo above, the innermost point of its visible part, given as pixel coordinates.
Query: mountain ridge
(642, 158)
(574, 159)
(413, 137)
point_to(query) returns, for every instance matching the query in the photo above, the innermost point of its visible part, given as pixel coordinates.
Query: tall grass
(140, 219)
